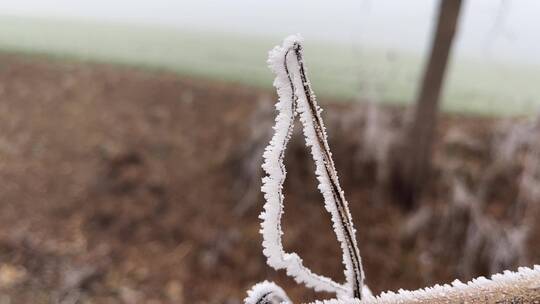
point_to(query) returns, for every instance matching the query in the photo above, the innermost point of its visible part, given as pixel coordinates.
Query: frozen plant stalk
(296, 98)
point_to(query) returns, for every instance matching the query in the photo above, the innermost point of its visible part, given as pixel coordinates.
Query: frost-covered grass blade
(297, 98)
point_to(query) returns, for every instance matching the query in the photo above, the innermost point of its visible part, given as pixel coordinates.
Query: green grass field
(346, 72)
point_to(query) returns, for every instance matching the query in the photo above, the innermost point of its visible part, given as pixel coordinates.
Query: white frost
(266, 293)
(458, 292)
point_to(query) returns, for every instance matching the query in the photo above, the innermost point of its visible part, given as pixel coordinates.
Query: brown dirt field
(123, 186)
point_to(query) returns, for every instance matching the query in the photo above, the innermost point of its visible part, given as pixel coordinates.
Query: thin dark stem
(343, 211)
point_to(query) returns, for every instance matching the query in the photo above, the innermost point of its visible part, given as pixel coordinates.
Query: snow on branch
(296, 98)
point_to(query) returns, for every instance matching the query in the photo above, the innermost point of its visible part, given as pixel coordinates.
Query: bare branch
(345, 225)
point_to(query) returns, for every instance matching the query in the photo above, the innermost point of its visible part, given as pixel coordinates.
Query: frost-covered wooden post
(296, 98)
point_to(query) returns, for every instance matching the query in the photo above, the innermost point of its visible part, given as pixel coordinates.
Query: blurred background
(132, 132)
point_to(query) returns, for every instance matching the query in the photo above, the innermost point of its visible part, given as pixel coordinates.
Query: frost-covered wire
(296, 97)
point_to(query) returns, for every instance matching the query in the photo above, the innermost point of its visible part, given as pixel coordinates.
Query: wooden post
(416, 164)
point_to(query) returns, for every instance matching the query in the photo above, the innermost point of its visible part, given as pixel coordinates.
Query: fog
(490, 30)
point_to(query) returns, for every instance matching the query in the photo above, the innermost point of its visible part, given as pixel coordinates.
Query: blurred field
(346, 72)
(119, 185)
(130, 166)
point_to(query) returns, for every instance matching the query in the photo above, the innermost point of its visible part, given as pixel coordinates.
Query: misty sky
(499, 30)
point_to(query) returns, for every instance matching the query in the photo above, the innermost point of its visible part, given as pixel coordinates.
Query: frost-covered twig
(296, 97)
(508, 287)
(266, 293)
(522, 286)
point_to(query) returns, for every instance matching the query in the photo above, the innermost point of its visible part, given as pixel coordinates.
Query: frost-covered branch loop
(297, 98)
